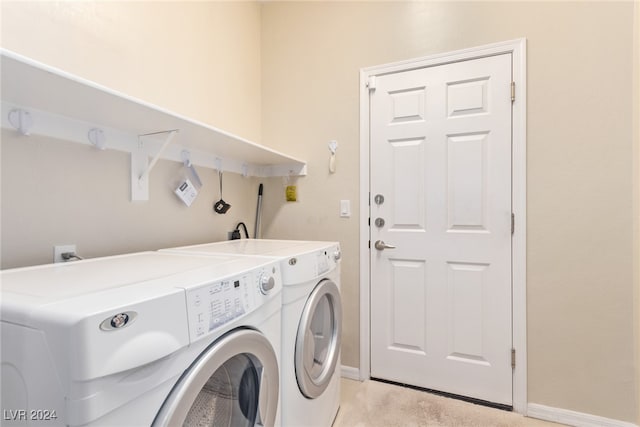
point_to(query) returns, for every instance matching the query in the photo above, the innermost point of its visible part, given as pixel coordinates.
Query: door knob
(380, 245)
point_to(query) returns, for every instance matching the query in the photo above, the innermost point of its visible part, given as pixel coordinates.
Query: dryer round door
(318, 339)
(235, 382)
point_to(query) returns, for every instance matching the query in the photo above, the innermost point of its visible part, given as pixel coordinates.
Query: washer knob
(337, 255)
(266, 283)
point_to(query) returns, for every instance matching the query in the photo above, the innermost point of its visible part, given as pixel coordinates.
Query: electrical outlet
(58, 250)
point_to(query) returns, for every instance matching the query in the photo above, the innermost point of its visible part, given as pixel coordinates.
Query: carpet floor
(377, 404)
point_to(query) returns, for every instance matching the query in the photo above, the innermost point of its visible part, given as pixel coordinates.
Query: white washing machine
(311, 323)
(142, 339)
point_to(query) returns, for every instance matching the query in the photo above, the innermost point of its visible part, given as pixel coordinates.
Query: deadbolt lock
(379, 199)
(379, 222)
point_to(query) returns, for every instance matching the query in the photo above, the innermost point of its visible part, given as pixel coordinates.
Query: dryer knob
(266, 284)
(337, 255)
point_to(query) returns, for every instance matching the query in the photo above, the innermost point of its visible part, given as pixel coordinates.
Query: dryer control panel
(216, 304)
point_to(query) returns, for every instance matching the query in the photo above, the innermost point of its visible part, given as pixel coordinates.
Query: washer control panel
(215, 304)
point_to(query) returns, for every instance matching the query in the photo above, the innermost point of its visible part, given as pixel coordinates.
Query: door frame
(517, 48)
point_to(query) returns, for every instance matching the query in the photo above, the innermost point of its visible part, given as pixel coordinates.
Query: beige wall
(72, 193)
(198, 59)
(580, 265)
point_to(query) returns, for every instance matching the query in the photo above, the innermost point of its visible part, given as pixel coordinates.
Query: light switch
(345, 208)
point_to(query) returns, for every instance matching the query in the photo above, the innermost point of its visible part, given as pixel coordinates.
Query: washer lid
(60, 293)
(72, 279)
(109, 315)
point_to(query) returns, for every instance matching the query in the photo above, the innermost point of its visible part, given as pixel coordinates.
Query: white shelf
(65, 106)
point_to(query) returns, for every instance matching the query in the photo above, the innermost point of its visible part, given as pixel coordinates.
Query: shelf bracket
(140, 162)
(165, 144)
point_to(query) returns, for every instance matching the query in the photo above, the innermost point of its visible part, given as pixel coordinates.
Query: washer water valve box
(187, 192)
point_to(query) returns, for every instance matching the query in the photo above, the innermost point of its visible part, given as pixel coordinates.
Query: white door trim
(517, 48)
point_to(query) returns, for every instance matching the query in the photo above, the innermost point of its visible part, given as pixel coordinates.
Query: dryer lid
(301, 260)
(260, 247)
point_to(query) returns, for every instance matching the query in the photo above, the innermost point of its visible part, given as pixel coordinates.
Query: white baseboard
(350, 372)
(572, 418)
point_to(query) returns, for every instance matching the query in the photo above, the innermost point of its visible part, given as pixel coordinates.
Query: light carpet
(373, 404)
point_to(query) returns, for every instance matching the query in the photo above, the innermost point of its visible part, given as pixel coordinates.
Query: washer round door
(235, 382)
(318, 339)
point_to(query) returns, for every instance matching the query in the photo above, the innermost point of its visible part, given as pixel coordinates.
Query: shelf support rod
(165, 144)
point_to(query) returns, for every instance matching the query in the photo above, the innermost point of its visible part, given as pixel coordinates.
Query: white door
(441, 183)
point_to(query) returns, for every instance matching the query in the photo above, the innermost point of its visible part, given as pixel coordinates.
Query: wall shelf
(64, 106)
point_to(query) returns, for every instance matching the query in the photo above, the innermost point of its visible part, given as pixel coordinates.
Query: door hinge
(513, 358)
(369, 244)
(371, 83)
(513, 91)
(513, 223)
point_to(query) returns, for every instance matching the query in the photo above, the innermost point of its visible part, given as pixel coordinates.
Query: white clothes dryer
(142, 339)
(311, 323)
